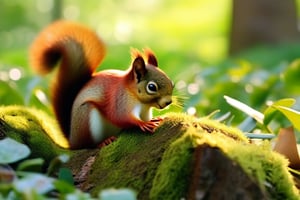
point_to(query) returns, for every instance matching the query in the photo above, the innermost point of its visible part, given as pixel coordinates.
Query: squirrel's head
(152, 85)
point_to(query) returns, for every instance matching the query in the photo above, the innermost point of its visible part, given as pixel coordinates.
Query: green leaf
(31, 165)
(12, 151)
(34, 182)
(258, 116)
(247, 125)
(65, 174)
(260, 135)
(292, 115)
(115, 194)
(291, 77)
(271, 111)
(64, 187)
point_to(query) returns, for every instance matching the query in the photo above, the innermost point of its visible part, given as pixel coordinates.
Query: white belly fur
(100, 128)
(142, 112)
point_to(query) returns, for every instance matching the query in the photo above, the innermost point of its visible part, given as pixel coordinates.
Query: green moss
(207, 125)
(267, 168)
(34, 128)
(131, 161)
(172, 176)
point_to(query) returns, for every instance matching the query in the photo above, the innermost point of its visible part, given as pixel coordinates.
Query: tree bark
(256, 22)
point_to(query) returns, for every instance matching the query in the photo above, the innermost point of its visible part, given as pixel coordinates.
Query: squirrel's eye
(151, 87)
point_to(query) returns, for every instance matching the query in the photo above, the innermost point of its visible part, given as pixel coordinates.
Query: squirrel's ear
(151, 59)
(139, 68)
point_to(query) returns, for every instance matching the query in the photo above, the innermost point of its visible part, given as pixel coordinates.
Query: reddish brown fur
(79, 51)
(151, 59)
(148, 55)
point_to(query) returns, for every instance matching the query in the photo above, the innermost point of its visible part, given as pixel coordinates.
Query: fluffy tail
(77, 51)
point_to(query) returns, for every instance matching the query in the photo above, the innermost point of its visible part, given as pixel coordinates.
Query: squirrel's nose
(164, 102)
(168, 102)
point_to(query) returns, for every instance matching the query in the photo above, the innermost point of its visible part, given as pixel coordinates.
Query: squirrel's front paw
(151, 125)
(107, 141)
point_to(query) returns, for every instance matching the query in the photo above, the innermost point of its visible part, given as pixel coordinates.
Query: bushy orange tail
(77, 51)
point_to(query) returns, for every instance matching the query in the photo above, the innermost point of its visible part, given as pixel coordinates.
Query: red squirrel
(92, 107)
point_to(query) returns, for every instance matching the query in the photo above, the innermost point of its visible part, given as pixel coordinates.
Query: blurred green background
(192, 40)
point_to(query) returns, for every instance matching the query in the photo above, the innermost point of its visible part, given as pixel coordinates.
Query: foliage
(282, 106)
(12, 151)
(28, 181)
(286, 143)
(255, 82)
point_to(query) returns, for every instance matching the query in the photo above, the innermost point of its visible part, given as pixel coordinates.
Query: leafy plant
(283, 106)
(286, 140)
(26, 180)
(12, 151)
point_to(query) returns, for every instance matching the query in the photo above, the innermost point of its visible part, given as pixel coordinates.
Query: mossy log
(186, 158)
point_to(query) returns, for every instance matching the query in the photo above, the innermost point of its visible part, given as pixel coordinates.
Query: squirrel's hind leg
(88, 127)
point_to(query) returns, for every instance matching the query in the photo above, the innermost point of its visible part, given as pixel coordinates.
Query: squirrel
(91, 106)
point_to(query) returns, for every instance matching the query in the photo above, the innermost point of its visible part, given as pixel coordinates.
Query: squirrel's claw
(151, 125)
(107, 141)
